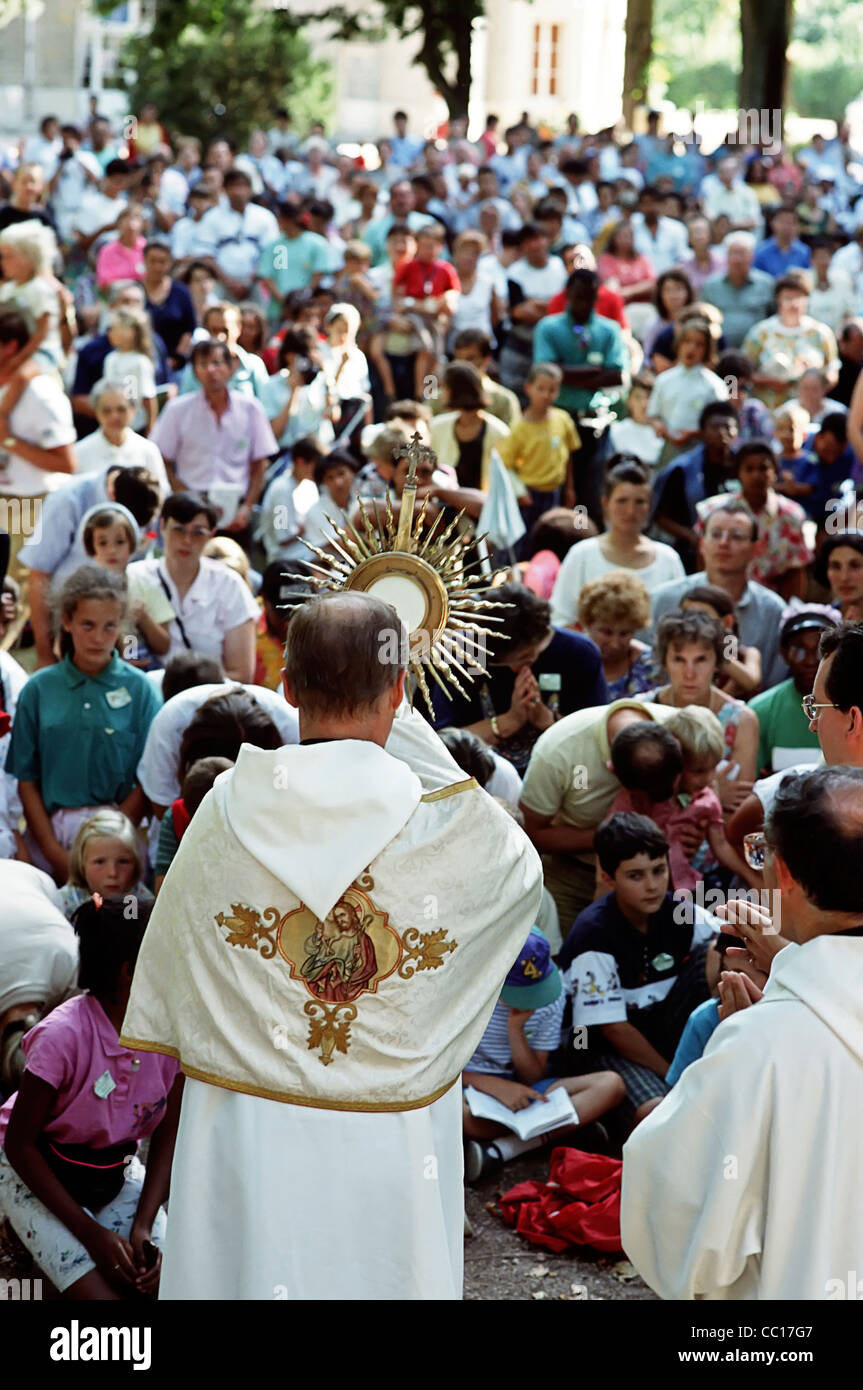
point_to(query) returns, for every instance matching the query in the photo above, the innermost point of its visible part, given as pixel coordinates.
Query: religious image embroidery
(348, 954)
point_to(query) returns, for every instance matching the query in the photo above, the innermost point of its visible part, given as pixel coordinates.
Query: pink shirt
(70, 1050)
(118, 262)
(206, 448)
(703, 810)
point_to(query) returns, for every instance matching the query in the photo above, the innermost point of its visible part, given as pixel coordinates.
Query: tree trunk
(765, 30)
(639, 51)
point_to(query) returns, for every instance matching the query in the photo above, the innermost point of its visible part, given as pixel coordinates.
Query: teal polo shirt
(783, 727)
(80, 738)
(597, 343)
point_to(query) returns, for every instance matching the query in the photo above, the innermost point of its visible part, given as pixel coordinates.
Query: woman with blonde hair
(106, 857)
(483, 285)
(611, 610)
(27, 253)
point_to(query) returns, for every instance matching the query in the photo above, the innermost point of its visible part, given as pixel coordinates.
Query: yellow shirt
(539, 450)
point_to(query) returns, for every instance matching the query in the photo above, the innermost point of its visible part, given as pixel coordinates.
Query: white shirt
(680, 394)
(157, 770)
(95, 453)
(96, 210)
(43, 416)
(235, 239)
(586, 561)
(353, 377)
(744, 1183)
(538, 282)
(38, 946)
(628, 437)
(664, 248)
(135, 371)
(739, 203)
(218, 601)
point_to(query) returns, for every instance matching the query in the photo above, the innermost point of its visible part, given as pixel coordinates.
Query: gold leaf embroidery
(423, 952)
(246, 929)
(329, 1028)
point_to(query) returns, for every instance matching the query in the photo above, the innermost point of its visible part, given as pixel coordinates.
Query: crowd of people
(211, 359)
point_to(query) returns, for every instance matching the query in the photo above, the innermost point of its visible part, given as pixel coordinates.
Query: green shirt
(783, 727)
(79, 737)
(291, 262)
(597, 343)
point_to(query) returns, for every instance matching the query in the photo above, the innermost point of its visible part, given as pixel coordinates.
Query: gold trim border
(287, 1097)
(454, 789)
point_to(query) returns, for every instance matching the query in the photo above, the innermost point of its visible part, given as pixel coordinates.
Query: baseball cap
(810, 615)
(534, 980)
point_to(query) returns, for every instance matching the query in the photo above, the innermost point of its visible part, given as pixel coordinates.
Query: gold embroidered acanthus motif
(347, 955)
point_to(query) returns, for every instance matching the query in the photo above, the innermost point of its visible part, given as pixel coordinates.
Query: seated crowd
(210, 362)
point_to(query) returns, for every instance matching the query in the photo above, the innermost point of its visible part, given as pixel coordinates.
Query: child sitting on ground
(671, 785)
(110, 536)
(511, 1063)
(636, 962)
(71, 1185)
(105, 858)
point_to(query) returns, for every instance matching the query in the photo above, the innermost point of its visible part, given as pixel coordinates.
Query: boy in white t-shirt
(634, 434)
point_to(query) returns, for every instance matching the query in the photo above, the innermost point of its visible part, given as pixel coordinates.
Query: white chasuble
(323, 957)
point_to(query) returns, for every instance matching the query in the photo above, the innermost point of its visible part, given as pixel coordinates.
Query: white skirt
(284, 1202)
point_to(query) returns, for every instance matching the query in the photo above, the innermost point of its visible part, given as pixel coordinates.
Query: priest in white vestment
(323, 957)
(744, 1182)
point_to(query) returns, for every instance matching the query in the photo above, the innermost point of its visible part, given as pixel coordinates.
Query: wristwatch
(9, 442)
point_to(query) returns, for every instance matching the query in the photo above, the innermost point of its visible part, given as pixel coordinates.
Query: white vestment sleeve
(694, 1175)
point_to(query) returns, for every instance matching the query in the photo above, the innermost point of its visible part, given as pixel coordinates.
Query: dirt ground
(499, 1265)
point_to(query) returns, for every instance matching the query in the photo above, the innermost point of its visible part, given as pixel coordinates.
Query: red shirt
(609, 305)
(425, 280)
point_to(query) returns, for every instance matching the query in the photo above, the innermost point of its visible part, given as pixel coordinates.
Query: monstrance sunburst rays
(423, 576)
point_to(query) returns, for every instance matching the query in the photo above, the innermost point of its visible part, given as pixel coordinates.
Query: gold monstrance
(424, 578)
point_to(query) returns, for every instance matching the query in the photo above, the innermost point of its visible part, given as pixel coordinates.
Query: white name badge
(595, 359)
(118, 698)
(105, 1085)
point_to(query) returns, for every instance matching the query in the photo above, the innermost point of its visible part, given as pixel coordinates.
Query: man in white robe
(323, 957)
(744, 1183)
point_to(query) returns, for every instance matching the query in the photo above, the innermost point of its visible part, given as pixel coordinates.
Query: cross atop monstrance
(416, 453)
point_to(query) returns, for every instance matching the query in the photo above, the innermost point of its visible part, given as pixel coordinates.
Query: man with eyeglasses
(727, 547)
(744, 1183)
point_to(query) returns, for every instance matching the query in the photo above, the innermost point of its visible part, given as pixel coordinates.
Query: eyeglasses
(809, 707)
(196, 533)
(756, 850)
(739, 537)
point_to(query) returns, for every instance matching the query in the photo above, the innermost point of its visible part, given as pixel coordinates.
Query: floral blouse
(786, 353)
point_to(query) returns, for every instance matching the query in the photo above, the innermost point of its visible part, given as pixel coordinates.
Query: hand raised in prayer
(736, 992)
(755, 927)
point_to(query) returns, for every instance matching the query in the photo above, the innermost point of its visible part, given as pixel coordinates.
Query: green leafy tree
(215, 65)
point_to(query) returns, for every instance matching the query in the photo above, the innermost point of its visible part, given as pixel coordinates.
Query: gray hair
(105, 388)
(741, 238)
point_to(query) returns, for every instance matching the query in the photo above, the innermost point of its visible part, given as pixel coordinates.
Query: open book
(537, 1118)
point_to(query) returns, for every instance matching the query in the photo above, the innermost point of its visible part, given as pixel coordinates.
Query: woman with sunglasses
(214, 611)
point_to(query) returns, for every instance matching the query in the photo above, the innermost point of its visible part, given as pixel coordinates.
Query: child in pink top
(70, 1183)
(692, 801)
